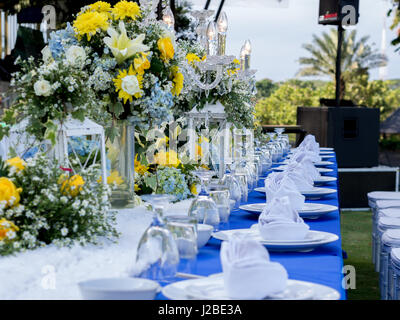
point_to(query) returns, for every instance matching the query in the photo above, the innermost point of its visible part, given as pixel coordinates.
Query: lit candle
(212, 39)
(245, 55)
(222, 25)
(168, 18)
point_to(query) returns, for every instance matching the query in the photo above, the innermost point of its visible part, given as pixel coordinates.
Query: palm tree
(358, 57)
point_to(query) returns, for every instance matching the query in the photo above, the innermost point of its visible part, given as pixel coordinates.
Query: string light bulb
(168, 18)
(222, 23)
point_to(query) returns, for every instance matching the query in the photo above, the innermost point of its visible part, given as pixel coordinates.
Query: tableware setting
(247, 273)
(308, 211)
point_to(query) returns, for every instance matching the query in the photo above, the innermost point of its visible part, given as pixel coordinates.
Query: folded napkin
(278, 184)
(309, 144)
(300, 175)
(299, 155)
(247, 270)
(307, 164)
(280, 221)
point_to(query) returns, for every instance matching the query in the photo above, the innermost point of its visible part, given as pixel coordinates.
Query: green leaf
(151, 181)
(51, 131)
(79, 114)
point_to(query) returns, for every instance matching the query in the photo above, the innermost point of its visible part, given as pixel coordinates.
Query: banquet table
(323, 265)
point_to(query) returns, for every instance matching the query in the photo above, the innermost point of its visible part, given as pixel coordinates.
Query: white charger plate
(315, 193)
(326, 152)
(309, 210)
(313, 240)
(320, 170)
(326, 156)
(324, 179)
(326, 149)
(212, 288)
(323, 163)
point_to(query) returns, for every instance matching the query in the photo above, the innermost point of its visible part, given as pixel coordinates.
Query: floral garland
(41, 204)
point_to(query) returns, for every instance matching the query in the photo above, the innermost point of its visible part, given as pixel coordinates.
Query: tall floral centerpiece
(134, 72)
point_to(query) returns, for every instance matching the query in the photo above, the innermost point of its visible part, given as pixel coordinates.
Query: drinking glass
(203, 208)
(220, 195)
(242, 179)
(157, 255)
(234, 187)
(184, 230)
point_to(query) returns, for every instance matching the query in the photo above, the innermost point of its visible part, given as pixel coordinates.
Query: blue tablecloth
(323, 265)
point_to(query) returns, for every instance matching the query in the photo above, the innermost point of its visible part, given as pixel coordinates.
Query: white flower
(64, 231)
(42, 88)
(11, 234)
(130, 84)
(76, 55)
(46, 54)
(16, 245)
(64, 199)
(121, 46)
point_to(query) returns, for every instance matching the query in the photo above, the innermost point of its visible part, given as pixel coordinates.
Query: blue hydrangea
(81, 145)
(61, 40)
(172, 181)
(157, 108)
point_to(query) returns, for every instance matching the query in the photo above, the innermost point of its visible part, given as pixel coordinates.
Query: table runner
(323, 265)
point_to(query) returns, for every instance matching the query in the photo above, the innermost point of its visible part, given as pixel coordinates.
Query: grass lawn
(356, 230)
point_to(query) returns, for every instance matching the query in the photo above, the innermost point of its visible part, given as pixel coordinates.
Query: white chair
(390, 239)
(394, 281)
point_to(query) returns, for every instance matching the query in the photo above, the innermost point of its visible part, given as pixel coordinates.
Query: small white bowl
(204, 232)
(119, 289)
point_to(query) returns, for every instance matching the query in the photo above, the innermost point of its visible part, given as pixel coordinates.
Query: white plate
(309, 210)
(315, 193)
(324, 179)
(326, 149)
(326, 156)
(323, 163)
(324, 170)
(313, 240)
(212, 288)
(326, 152)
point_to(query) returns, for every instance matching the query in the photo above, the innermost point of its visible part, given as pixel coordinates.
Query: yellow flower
(193, 189)
(125, 9)
(140, 168)
(129, 84)
(178, 81)
(9, 192)
(101, 6)
(169, 158)
(166, 48)
(199, 151)
(7, 229)
(73, 185)
(89, 23)
(191, 57)
(136, 187)
(114, 177)
(141, 63)
(121, 46)
(233, 71)
(16, 162)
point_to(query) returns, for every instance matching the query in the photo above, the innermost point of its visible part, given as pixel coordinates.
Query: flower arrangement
(135, 70)
(41, 204)
(48, 90)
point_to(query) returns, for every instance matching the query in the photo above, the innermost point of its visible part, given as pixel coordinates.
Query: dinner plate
(314, 193)
(313, 240)
(212, 288)
(324, 170)
(323, 163)
(324, 179)
(327, 156)
(309, 210)
(324, 152)
(326, 149)
(320, 170)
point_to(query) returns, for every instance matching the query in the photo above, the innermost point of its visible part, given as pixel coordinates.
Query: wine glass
(279, 131)
(235, 190)
(221, 196)
(271, 136)
(157, 255)
(203, 207)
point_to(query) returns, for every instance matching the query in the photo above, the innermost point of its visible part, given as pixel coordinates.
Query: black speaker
(330, 11)
(354, 133)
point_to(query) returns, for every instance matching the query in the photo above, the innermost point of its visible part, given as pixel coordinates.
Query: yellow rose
(178, 81)
(7, 229)
(166, 48)
(73, 185)
(9, 192)
(141, 63)
(137, 188)
(140, 168)
(16, 162)
(191, 57)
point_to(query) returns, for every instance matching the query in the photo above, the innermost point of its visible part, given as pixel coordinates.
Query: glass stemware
(157, 255)
(203, 208)
(234, 187)
(221, 196)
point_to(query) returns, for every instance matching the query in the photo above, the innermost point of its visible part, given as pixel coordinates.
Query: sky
(277, 32)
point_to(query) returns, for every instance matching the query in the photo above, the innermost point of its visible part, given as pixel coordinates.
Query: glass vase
(121, 166)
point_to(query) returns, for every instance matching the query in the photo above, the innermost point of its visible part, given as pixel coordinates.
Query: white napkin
(307, 164)
(280, 221)
(300, 176)
(278, 184)
(247, 270)
(309, 144)
(298, 156)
